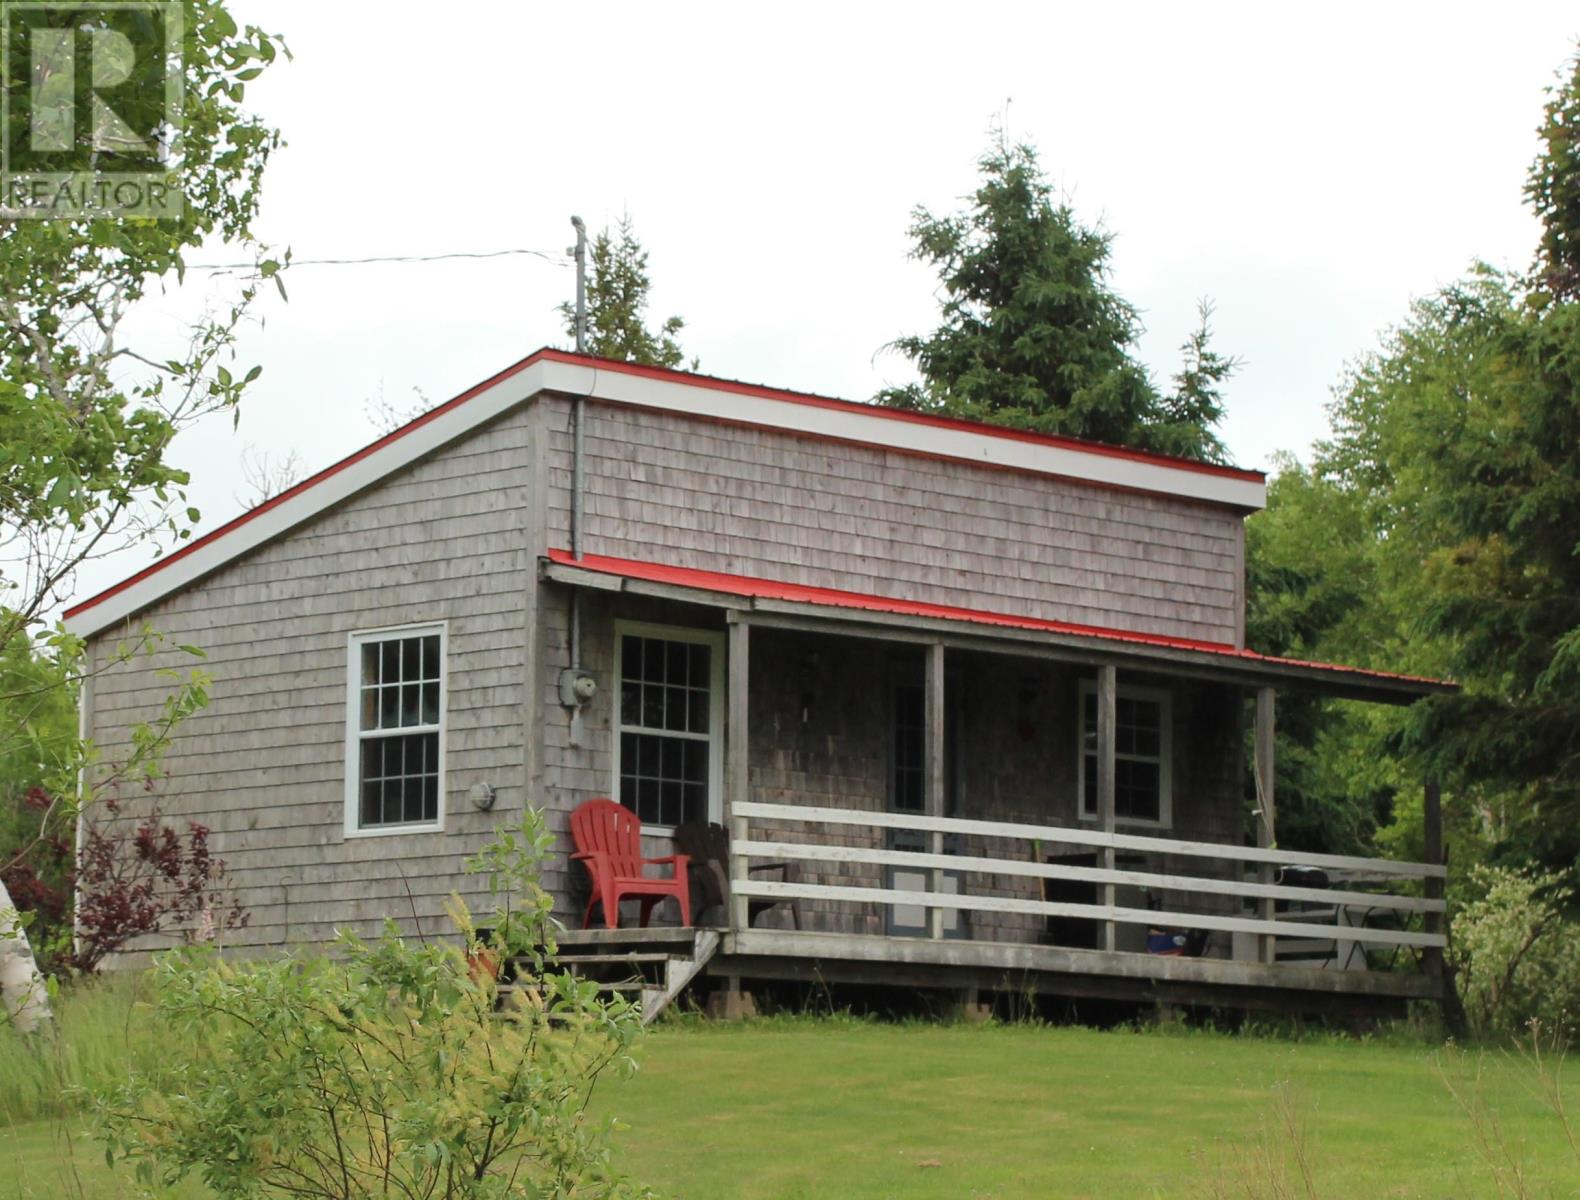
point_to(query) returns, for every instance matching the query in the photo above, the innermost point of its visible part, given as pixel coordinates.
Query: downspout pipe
(578, 438)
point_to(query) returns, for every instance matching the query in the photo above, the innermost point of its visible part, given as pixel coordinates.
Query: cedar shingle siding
(456, 537)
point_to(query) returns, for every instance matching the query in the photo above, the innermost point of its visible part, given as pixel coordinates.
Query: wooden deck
(986, 967)
(1394, 917)
(1053, 970)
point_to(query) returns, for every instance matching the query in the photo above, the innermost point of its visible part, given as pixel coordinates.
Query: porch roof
(774, 602)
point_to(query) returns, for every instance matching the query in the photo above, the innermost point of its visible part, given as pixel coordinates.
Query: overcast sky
(1308, 169)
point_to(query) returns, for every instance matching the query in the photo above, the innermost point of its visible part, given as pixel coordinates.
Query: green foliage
(1460, 439)
(1516, 957)
(1436, 532)
(86, 418)
(1195, 407)
(1313, 592)
(397, 1070)
(1033, 334)
(52, 776)
(105, 1031)
(88, 413)
(38, 751)
(1553, 188)
(39, 731)
(617, 288)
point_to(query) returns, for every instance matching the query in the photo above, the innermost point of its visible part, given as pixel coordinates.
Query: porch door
(908, 794)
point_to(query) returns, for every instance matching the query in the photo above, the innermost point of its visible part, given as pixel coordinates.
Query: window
(395, 730)
(667, 726)
(908, 794)
(1142, 758)
(908, 773)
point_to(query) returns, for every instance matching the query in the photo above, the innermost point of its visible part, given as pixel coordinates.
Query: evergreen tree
(1553, 188)
(1193, 410)
(1033, 334)
(1438, 533)
(617, 287)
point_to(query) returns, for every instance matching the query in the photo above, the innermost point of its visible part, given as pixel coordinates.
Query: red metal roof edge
(548, 354)
(745, 585)
(814, 400)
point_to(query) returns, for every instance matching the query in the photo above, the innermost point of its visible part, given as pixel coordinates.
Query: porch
(1060, 811)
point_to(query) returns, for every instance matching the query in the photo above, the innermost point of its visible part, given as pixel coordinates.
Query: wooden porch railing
(745, 847)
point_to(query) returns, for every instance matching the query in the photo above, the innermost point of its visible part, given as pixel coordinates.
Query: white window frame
(354, 732)
(1165, 759)
(717, 700)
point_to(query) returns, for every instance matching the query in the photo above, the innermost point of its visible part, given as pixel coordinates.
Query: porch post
(934, 784)
(1432, 807)
(1266, 809)
(1107, 701)
(739, 781)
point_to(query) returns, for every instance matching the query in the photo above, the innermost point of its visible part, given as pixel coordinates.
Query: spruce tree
(1033, 334)
(617, 287)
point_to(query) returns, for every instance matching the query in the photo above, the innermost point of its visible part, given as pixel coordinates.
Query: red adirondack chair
(608, 841)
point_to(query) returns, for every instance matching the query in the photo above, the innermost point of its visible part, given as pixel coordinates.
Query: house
(988, 690)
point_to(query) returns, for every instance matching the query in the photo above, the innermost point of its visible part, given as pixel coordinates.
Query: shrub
(1515, 955)
(133, 880)
(393, 1071)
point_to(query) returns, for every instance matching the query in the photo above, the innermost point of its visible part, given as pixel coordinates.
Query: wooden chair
(707, 845)
(608, 841)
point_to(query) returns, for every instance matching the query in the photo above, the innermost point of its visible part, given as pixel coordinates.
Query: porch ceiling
(773, 603)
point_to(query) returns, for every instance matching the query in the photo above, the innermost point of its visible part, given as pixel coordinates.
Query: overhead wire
(557, 259)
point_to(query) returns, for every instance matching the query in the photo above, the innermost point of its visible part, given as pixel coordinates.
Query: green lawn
(949, 1111)
(840, 1109)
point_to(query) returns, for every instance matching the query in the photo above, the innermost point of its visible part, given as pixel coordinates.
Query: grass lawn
(841, 1109)
(802, 1110)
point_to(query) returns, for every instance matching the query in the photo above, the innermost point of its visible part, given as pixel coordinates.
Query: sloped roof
(678, 392)
(1356, 682)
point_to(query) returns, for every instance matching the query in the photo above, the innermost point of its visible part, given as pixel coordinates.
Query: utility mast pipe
(578, 440)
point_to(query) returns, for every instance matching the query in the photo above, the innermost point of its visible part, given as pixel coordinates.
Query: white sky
(1308, 170)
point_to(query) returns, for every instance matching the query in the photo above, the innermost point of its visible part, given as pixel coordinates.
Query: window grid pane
(664, 686)
(665, 710)
(910, 748)
(400, 779)
(1138, 758)
(664, 779)
(400, 683)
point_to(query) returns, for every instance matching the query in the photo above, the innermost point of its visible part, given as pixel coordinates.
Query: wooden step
(676, 955)
(604, 985)
(577, 960)
(576, 940)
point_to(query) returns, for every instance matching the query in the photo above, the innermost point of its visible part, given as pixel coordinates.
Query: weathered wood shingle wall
(774, 505)
(821, 733)
(264, 764)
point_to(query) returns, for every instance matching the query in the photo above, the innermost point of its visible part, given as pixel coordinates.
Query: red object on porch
(608, 841)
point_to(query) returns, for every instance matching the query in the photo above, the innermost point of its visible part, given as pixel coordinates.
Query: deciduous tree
(88, 413)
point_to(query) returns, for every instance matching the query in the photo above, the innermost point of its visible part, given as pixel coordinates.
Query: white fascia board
(338, 483)
(880, 430)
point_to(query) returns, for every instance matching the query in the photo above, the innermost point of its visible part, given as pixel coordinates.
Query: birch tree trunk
(23, 998)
